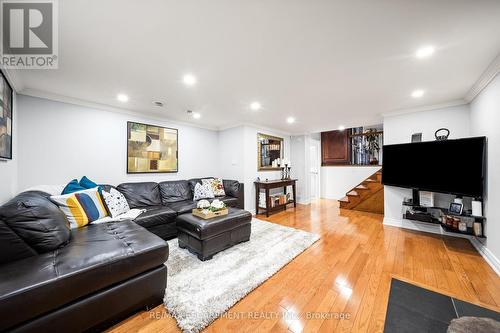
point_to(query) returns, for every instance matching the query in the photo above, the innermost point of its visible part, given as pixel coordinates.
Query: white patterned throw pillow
(116, 202)
(203, 192)
(217, 186)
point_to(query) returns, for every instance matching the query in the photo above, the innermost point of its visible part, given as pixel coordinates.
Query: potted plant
(372, 145)
(217, 205)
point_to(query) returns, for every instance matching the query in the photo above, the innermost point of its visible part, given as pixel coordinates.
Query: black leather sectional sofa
(53, 279)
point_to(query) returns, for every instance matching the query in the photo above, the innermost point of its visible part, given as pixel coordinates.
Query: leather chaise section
(97, 256)
(12, 247)
(101, 310)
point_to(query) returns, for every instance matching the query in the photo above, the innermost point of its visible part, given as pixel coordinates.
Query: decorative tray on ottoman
(208, 214)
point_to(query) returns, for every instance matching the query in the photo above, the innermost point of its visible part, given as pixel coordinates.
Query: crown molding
(230, 126)
(488, 75)
(108, 108)
(358, 122)
(432, 107)
(256, 126)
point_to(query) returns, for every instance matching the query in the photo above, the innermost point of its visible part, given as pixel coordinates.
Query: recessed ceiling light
(290, 120)
(189, 80)
(417, 93)
(196, 115)
(341, 128)
(255, 106)
(122, 98)
(425, 52)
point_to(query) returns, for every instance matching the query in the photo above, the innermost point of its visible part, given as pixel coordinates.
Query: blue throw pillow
(72, 187)
(87, 183)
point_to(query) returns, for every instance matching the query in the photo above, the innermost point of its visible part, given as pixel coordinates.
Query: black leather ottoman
(208, 237)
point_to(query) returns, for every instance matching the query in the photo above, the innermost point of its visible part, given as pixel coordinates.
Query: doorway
(315, 167)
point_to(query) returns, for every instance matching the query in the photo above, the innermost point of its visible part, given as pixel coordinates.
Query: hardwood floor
(341, 283)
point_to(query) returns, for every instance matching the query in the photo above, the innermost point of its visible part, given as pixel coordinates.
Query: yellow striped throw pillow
(81, 207)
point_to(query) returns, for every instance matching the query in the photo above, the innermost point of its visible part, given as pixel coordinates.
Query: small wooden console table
(269, 184)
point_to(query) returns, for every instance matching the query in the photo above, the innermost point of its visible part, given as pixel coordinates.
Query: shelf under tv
(468, 232)
(422, 215)
(444, 210)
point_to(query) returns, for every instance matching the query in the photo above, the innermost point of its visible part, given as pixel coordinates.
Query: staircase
(367, 196)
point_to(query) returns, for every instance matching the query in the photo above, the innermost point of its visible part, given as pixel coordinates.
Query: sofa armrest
(241, 195)
(235, 189)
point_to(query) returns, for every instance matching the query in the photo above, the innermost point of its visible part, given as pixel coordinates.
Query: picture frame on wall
(152, 149)
(269, 148)
(6, 116)
(416, 137)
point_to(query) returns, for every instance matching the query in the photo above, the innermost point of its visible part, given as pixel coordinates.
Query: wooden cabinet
(271, 184)
(335, 148)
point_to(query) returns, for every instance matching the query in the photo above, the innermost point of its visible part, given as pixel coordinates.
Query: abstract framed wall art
(6, 94)
(151, 149)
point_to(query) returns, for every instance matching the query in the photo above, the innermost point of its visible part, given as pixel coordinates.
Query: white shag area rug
(200, 291)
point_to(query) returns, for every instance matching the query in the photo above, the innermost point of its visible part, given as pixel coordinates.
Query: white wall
(58, 142)
(240, 145)
(399, 128)
(231, 154)
(485, 120)
(336, 181)
(8, 168)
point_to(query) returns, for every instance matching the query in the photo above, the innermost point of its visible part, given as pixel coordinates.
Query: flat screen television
(449, 166)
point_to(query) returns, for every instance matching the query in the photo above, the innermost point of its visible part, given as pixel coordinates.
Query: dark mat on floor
(414, 309)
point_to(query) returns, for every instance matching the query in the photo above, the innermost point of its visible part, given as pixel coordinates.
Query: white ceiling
(325, 62)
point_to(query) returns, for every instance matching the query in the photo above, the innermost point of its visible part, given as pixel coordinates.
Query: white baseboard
(420, 226)
(413, 225)
(488, 256)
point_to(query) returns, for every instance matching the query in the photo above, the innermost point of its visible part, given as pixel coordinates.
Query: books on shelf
(276, 200)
